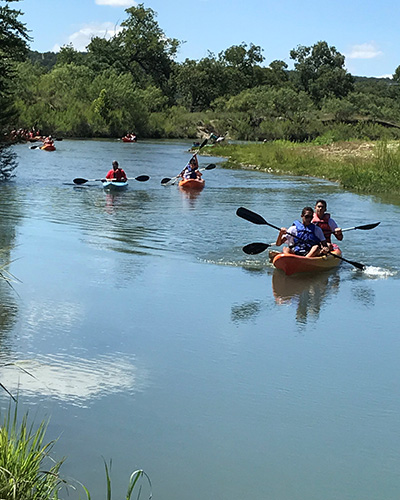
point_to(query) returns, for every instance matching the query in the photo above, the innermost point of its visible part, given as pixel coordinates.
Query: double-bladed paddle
(167, 180)
(140, 178)
(255, 248)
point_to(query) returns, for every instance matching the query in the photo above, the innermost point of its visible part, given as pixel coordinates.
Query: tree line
(132, 82)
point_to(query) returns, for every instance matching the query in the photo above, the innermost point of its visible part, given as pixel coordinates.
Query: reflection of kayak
(191, 183)
(291, 263)
(285, 288)
(114, 185)
(48, 147)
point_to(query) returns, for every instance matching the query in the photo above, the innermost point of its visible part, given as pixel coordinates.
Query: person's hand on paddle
(281, 237)
(338, 233)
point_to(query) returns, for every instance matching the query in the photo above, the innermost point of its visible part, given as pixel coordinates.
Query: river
(150, 338)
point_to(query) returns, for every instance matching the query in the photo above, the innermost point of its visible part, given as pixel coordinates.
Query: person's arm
(281, 237)
(336, 231)
(322, 240)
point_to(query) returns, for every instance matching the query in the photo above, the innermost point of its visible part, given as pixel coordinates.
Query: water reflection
(364, 295)
(10, 215)
(8, 311)
(308, 292)
(71, 379)
(246, 311)
(191, 195)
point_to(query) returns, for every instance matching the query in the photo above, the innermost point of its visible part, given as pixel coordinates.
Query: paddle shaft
(140, 178)
(258, 219)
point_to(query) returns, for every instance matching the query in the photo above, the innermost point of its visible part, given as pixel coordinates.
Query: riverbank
(367, 167)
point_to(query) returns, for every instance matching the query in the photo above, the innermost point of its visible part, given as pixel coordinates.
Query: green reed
(376, 172)
(27, 471)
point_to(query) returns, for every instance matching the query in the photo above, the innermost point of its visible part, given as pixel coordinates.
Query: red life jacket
(324, 225)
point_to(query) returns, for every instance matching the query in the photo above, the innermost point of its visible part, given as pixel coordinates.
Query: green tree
(68, 55)
(199, 83)
(319, 70)
(146, 50)
(13, 48)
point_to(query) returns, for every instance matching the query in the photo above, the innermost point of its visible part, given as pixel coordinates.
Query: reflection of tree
(9, 215)
(309, 291)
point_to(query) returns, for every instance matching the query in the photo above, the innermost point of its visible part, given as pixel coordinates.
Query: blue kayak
(114, 185)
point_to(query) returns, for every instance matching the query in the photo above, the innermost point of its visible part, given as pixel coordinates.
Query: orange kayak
(48, 147)
(191, 183)
(292, 263)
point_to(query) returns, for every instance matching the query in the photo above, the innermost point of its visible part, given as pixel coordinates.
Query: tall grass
(375, 172)
(27, 471)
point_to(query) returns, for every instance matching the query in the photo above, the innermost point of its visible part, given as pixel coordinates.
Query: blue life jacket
(307, 236)
(190, 173)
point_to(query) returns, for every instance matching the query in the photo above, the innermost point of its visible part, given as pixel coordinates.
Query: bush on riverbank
(359, 166)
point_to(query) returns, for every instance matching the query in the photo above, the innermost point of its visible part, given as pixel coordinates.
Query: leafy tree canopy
(319, 70)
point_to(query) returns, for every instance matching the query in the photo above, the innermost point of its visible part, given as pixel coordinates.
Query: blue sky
(366, 32)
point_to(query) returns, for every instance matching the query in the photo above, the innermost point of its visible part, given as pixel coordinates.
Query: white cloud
(117, 3)
(80, 39)
(364, 51)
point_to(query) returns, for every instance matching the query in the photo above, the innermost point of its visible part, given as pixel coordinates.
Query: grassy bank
(28, 471)
(368, 167)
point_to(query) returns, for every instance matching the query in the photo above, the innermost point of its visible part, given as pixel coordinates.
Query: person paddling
(303, 237)
(191, 171)
(323, 220)
(116, 173)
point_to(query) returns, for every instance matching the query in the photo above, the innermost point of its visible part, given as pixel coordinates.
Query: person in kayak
(323, 219)
(48, 141)
(116, 173)
(310, 241)
(191, 171)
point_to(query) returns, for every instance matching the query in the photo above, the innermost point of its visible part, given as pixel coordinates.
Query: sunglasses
(308, 216)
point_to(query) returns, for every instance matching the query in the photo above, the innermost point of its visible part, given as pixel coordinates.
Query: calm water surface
(154, 341)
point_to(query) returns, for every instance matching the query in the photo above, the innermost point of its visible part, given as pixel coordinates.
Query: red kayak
(192, 184)
(291, 263)
(48, 147)
(129, 139)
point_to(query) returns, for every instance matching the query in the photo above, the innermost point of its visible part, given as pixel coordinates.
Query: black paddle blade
(142, 178)
(368, 226)
(203, 143)
(211, 166)
(165, 180)
(255, 248)
(79, 180)
(244, 213)
(355, 264)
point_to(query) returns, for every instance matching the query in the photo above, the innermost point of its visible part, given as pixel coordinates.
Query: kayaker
(191, 171)
(48, 141)
(311, 241)
(116, 173)
(323, 219)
